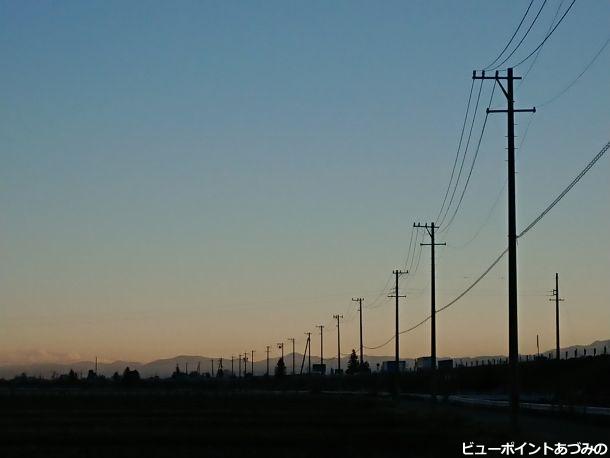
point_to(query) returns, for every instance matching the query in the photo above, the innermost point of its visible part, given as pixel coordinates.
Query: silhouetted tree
(131, 376)
(280, 368)
(353, 366)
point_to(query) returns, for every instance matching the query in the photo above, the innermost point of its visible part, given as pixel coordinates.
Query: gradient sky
(212, 177)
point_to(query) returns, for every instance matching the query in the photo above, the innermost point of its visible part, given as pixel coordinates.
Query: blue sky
(207, 177)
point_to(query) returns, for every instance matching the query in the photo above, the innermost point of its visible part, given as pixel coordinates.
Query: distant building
(423, 364)
(445, 364)
(319, 369)
(390, 366)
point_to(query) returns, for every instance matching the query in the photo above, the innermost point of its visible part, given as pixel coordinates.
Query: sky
(211, 177)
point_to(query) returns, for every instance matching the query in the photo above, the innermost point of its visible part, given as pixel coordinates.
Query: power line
(485, 222)
(547, 36)
(474, 160)
(497, 199)
(409, 250)
(522, 38)
(418, 259)
(575, 80)
(381, 294)
(457, 153)
(501, 255)
(529, 69)
(457, 180)
(410, 268)
(514, 35)
(566, 190)
(382, 345)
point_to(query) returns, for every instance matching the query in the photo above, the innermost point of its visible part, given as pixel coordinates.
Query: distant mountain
(598, 346)
(165, 367)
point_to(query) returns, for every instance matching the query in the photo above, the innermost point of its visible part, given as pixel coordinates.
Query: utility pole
(396, 294)
(267, 361)
(557, 300)
(537, 346)
(232, 370)
(430, 229)
(321, 326)
(245, 363)
(513, 324)
(359, 300)
(308, 353)
(338, 318)
(305, 354)
(212, 368)
(252, 362)
(281, 347)
(239, 359)
(292, 340)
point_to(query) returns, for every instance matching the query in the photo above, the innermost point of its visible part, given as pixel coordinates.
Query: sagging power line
(495, 262)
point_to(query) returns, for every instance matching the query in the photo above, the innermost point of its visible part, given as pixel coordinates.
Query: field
(144, 422)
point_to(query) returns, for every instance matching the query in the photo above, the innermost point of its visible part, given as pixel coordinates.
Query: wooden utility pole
(292, 340)
(359, 300)
(557, 300)
(430, 229)
(321, 327)
(338, 318)
(308, 348)
(513, 326)
(396, 294)
(281, 347)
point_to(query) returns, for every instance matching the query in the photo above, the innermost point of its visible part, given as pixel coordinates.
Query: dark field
(138, 422)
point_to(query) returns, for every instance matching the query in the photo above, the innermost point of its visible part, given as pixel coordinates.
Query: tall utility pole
(359, 300)
(232, 370)
(252, 362)
(430, 229)
(397, 273)
(308, 353)
(292, 340)
(338, 318)
(245, 363)
(557, 300)
(513, 325)
(239, 359)
(321, 326)
(267, 360)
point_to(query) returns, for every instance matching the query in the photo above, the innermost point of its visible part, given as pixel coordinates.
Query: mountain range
(165, 367)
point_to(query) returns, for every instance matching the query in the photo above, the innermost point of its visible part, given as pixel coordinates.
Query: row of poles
(513, 344)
